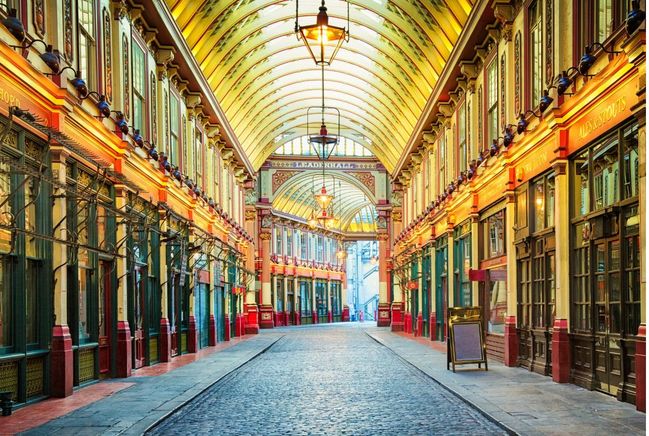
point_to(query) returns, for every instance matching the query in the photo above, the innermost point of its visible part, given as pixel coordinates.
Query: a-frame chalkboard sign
(466, 341)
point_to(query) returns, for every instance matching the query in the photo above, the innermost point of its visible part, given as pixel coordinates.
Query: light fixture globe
(312, 221)
(323, 198)
(321, 39)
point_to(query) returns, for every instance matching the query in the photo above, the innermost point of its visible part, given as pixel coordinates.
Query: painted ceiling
(265, 79)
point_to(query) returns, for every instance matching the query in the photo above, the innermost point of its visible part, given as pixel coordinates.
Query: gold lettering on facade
(9, 98)
(606, 115)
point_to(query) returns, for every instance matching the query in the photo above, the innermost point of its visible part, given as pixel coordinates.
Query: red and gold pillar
(61, 352)
(265, 308)
(384, 305)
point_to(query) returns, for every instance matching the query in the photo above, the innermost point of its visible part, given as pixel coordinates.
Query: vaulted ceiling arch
(249, 54)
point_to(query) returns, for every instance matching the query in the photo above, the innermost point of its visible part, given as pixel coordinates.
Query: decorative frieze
(68, 45)
(38, 12)
(366, 178)
(549, 64)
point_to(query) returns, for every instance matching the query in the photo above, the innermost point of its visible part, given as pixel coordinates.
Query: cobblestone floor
(327, 380)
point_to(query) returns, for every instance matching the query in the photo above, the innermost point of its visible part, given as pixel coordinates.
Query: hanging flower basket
(238, 290)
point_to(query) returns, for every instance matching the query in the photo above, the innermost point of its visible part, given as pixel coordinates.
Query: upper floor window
(461, 139)
(304, 238)
(492, 100)
(289, 242)
(494, 230)
(140, 111)
(599, 19)
(536, 52)
(278, 241)
(87, 42)
(174, 128)
(199, 169)
(543, 191)
(441, 159)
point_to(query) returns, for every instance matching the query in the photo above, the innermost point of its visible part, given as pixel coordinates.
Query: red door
(140, 276)
(105, 326)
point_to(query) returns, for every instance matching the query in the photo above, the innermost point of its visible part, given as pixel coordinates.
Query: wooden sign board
(466, 342)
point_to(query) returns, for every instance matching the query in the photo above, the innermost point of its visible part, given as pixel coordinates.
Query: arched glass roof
(265, 79)
(353, 203)
(301, 147)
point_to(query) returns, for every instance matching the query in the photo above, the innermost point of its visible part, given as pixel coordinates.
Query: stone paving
(526, 402)
(347, 378)
(327, 380)
(151, 398)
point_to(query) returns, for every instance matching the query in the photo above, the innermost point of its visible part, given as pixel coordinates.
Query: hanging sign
(466, 342)
(412, 285)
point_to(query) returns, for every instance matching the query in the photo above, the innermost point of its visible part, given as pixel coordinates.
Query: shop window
(544, 193)
(495, 226)
(6, 309)
(320, 249)
(461, 139)
(462, 252)
(86, 40)
(521, 209)
(632, 270)
(279, 302)
(83, 301)
(140, 110)
(630, 161)
(524, 293)
(606, 174)
(492, 100)
(535, 18)
(581, 184)
(581, 317)
(497, 306)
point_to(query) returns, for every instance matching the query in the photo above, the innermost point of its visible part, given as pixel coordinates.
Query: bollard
(6, 403)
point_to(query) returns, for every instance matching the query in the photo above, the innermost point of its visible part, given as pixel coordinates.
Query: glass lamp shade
(324, 217)
(322, 40)
(324, 199)
(312, 221)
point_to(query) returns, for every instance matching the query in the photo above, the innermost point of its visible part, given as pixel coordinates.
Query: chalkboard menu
(466, 342)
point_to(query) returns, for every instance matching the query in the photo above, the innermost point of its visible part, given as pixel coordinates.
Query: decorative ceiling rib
(265, 80)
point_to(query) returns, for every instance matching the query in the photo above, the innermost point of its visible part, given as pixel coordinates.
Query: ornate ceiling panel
(265, 79)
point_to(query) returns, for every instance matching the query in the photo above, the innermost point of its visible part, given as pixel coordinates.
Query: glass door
(608, 359)
(139, 310)
(202, 313)
(441, 290)
(105, 324)
(220, 319)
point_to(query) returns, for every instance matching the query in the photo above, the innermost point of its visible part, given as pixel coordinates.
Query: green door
(414, 306)
(202, 313)
(441, 288)
(219, 297)
(425, 293)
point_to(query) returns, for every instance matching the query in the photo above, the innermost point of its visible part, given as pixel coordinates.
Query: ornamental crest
(280, 177)
(365, 178)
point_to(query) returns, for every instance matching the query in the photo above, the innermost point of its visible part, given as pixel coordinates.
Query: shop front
(605, 297)
(321, 300)
(462, 264)
(494, 288)
(441, 286)
(306, 311)
(535, 258)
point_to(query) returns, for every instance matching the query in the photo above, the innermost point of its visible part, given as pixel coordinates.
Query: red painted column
(641, 369)
(165, 340)
(238, 325)
(397, 324)
(330, 317)
(211, 332)
(383, 309)
(407, 321)
(420, 324)
(266, 315)
(252, 322)
(314, 317)
(124, 342)
(511, 341)
(61, 362)
(192, 337)
(433, 326)
(226, 330)
(560, 352)
(345, 317)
